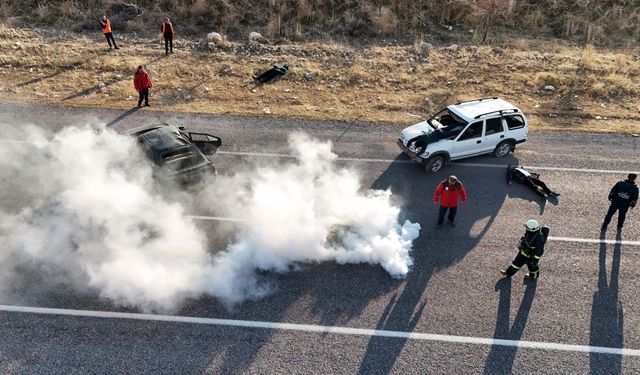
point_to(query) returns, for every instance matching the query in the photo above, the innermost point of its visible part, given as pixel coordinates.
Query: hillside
(398, 75)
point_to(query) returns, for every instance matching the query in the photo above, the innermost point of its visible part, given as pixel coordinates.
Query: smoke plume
(82, 210)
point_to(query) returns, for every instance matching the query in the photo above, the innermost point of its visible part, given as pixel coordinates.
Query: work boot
(527, 276)
(503, 272)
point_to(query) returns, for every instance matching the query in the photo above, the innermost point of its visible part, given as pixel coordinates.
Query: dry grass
(373, 84)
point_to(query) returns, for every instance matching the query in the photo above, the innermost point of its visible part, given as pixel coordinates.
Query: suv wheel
(502, 149)
(434, 164)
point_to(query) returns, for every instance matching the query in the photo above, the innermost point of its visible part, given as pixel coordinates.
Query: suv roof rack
(476, 100)
(511, 110)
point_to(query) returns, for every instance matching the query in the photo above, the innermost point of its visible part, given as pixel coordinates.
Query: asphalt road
(588, 294)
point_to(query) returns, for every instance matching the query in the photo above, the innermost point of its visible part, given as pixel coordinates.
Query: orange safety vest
(164, 24)
(107, 28)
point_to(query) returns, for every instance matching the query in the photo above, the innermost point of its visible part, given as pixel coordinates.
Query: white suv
(465, 129)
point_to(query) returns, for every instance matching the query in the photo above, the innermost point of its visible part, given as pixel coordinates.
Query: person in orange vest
(105, 26)
(167, 32)
(142, 83)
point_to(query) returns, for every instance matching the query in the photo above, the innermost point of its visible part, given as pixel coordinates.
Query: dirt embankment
(559, 85)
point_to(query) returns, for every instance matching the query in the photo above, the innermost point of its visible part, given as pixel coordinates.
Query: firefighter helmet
(532, 225)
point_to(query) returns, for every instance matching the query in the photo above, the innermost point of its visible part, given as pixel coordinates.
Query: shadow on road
(500, 358)
(607, 315)
(122, 116)
(434, 250)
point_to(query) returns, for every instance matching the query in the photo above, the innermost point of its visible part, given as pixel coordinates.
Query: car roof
(161, 138)
(473, 109)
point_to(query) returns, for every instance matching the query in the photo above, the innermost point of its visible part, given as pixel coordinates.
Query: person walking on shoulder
(142, 83)
(105, 26)
(623, 195)
(448, 192)
(167, 32)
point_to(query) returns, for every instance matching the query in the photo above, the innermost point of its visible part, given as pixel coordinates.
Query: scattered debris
(102, 85)
(215, 38)
(549, 88)
(257, 38)
(266, 110)
(273, 74)
(309, 76)
(598, 117)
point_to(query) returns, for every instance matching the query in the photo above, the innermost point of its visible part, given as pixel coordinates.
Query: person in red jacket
(448, 191)
(142, 83)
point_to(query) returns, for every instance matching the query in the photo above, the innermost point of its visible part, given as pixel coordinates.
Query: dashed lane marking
(551, 238)
(395, 161)
(539, 345)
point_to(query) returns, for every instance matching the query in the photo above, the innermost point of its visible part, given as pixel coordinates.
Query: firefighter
(105, 26)
(530, 251)
(167, 32)
(623, 195)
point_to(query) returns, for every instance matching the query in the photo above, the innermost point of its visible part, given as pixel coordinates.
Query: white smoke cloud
(84, 211)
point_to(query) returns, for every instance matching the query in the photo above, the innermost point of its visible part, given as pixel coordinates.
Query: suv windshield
(444, 119)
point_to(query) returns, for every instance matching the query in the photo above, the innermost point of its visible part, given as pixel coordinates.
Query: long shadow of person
(122, 116)
(607, 315)
(501, 357)
(434, 249)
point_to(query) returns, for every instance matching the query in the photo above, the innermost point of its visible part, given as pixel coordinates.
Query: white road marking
(215, 218)
(394, 161)
(551, 238)
(541, 345)
(591, 240)
(473, 165)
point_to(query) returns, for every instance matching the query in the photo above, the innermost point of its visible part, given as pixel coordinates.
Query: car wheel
(434, 164)
(503, 149)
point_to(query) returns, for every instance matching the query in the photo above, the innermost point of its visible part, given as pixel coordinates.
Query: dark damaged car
(179, 155)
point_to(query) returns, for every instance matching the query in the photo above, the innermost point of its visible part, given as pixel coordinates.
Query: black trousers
(622, 214)
(538, 186)
(143, 95)
(168, 43)
(111, 39)
(522, 259)
(443, 210)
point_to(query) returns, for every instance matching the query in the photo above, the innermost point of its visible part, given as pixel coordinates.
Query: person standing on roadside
(623, 195)
(105, 26)
(167, 32)
(448, 191)
(142, 83)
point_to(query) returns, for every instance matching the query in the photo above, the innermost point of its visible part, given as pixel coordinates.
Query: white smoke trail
(85, 212)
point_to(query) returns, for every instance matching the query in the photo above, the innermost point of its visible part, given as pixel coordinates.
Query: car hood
(415, 130)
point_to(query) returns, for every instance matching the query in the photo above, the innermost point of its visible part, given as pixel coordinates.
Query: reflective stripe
(536, 257)
(516, 267)
(524, 254)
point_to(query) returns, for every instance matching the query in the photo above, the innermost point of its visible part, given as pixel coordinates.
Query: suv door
(469, 143)
(493, 134)
(207, 143)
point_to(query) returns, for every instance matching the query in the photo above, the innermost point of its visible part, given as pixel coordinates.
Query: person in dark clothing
(530, 179)
(530, 251)
(276, 71)
(623, 195)
(167, 32)
(142, 83)
(105, 26)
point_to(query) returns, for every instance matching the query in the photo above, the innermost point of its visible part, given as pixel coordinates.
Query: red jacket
(142, 81)
(449, 193)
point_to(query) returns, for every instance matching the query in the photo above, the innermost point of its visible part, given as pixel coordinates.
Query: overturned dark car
(180, 155)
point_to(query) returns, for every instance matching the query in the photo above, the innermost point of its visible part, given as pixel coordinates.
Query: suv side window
(514, 122)
(473, 131)
(493, 126)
